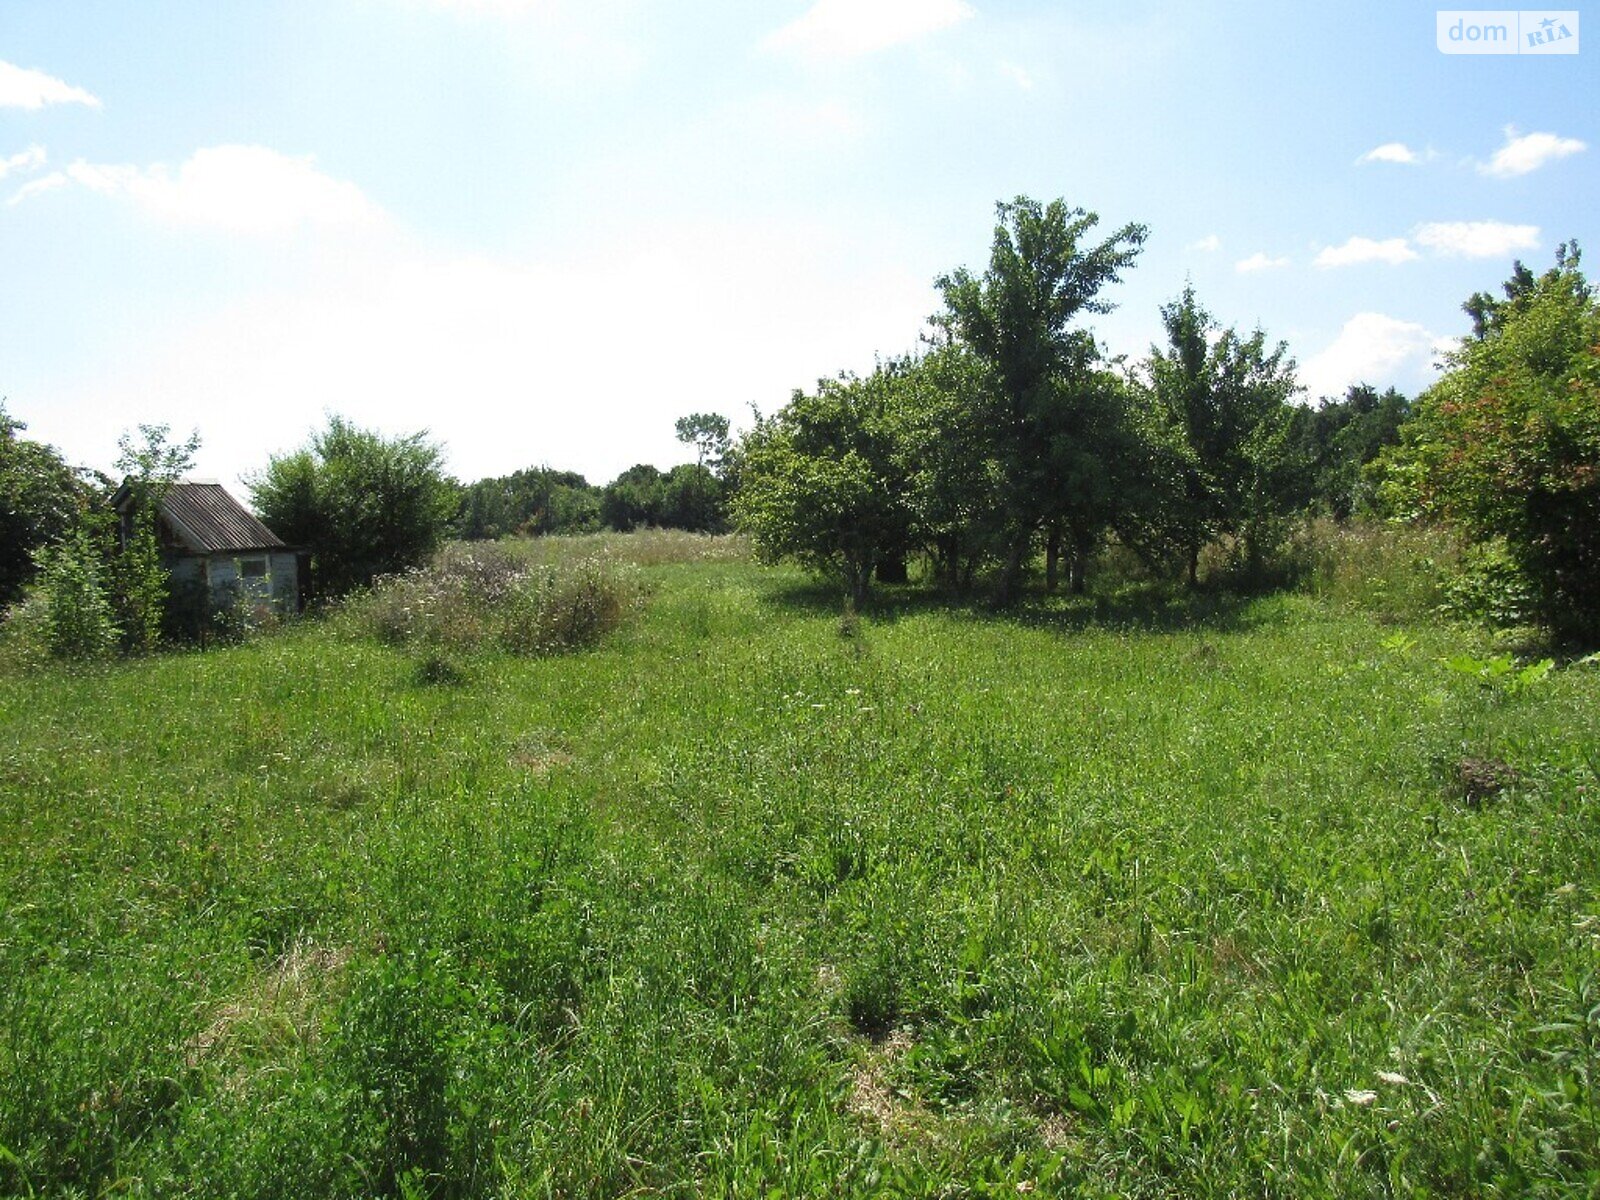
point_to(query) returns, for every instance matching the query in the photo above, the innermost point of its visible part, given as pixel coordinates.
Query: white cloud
(1377, 349)
(1018, 75)
(1209, 244)
(28, 160)
(35, 187)
(1365, 250)
(1529, 152)
(1476, 239)
(848, 28)
(1259, 262)
(244, 189)
(510, 363)
(1390, 152)
(32, 90)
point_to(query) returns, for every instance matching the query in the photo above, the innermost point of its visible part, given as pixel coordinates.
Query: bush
(479, 597)
(78, 622)
(1490, 589)
(365, 505)
(1507, 443)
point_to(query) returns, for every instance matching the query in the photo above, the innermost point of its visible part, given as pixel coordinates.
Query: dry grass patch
(277, 1014)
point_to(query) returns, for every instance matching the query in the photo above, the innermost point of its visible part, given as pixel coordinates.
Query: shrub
(1507, 443)
(366, 505)
(486, 596)
(78, 621)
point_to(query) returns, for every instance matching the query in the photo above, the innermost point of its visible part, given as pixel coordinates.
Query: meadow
(1136, 894)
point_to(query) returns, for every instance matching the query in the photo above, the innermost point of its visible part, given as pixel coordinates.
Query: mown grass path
(1118, 900)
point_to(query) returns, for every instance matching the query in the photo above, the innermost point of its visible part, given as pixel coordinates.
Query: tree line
(1010, 442)
(1013, 434)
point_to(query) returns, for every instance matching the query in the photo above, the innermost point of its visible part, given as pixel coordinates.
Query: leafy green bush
(78, 621)
(1508, 442)
(1490, 588)
(364, 504)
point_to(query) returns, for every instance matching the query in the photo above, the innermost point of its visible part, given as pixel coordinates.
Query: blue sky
(544, 229)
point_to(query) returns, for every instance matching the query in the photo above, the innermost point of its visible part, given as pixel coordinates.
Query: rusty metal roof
(210, 521)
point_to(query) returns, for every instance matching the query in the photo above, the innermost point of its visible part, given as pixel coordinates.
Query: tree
(635, 498)
(1018, 318)
(941, 445)
(823, 482)
(1507, 442)
(708, 434)
(1222, 416)
(40, 500)
(366, 505)
(535, 501)
(140, 586)
(697, 493)
(1339, 439)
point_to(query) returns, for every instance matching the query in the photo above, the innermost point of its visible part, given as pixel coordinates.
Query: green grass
(1103, 898)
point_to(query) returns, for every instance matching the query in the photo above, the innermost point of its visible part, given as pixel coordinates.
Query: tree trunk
(1052, 560)
(1011, 573)
(860, 579)
(1194, 566)
(1082, 548)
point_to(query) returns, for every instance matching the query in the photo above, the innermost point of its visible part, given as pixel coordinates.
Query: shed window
(253, 568)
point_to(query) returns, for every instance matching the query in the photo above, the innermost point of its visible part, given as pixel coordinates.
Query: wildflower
(1393, 1077)
(1361, 1097)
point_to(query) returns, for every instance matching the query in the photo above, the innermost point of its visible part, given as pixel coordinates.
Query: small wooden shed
(216, 547)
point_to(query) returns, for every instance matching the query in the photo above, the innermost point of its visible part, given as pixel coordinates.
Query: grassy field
(1108, 897)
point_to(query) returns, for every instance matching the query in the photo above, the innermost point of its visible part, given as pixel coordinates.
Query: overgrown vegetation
(1187, 895)
(1508, 442)
(477, 596)
(1013, 433)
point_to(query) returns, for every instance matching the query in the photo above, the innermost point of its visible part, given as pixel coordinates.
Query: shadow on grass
(1141, 607)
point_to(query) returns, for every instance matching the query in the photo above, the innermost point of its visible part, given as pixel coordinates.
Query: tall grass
(1269, 900)
(641, 547)
(1395, 572)
(489, 596)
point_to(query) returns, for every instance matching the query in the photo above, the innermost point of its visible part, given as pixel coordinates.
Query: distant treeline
(540, 500)
(543, 500)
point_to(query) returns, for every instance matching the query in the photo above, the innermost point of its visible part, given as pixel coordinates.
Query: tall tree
(1018, 318)
(708, 434)
(1222, 408)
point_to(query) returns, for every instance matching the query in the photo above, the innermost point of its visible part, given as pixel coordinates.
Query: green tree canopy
(1044, 419)
(708, 434)
(1221, 408)
(1507, 443)
(40, 499)
(364, 504)
(824, 481)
